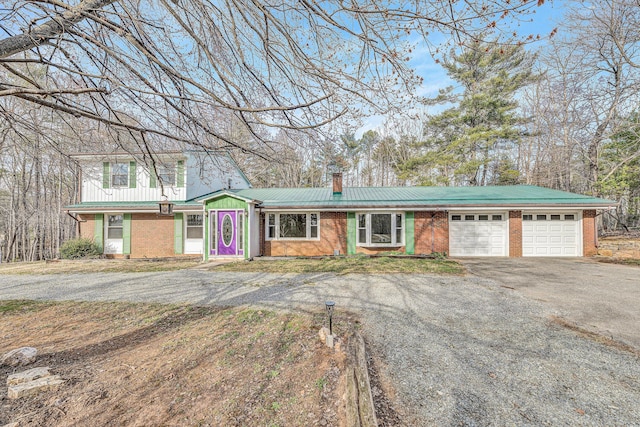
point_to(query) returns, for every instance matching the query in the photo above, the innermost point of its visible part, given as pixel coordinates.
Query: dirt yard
(150, 364)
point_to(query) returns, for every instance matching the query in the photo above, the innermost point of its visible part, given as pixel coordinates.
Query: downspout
(261, 235)
(78, 221)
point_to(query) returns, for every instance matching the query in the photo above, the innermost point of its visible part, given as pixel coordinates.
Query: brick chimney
(337, 183)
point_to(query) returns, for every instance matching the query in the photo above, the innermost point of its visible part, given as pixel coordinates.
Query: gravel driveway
(458, 350)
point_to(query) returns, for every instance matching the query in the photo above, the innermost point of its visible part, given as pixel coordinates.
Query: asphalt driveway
(468, 351)
(601, 297)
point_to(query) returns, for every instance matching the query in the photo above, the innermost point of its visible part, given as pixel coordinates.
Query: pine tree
(468, 143)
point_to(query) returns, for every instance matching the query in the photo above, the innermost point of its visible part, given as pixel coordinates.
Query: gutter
(422, 207)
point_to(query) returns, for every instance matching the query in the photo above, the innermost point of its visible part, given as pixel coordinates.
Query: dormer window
(120, 174)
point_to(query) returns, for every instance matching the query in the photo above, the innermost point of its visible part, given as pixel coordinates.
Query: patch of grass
(253, 316)
(97, 266)
(347, 265)
(12, 306)
(320, 383)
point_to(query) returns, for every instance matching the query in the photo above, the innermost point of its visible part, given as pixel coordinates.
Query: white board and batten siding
(551, 234)
(478, 234)
(203, 174)
(93, 191)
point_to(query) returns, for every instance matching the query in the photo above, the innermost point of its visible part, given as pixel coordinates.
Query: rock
(10, 425)
(26, 376)
(323, 333)
(19, 357)
(32, 387)
(31, 381)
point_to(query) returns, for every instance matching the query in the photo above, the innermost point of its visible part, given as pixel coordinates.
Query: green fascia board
(419, 197)
(130, 205)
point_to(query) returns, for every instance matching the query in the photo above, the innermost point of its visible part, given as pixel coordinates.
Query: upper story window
(167, 174)
(119, 174)
(283, 226)
(380, 229)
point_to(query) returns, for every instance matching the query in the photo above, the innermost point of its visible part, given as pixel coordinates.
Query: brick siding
(152, 236)
(431, 232)
(87, 226)
(333, 236)
(515, 233)
(589, 233)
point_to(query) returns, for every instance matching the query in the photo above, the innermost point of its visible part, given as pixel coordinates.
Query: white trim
(192, 242)
(276, 236)
(473, 224)
(214, 218)
(394, 227)
(151, 209)
(422, 208)
(578, 221)
(113, 246)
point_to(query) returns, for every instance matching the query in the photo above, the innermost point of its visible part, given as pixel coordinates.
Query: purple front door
(227, 233)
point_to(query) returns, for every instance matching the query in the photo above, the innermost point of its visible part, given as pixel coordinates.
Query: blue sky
(541, 22)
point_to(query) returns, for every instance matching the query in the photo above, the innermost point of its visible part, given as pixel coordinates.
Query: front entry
(226, 233)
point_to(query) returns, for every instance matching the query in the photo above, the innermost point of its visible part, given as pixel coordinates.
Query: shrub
(79, 248)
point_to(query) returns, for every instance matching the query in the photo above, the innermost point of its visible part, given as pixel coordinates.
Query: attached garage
(551, 234)
(478, 234)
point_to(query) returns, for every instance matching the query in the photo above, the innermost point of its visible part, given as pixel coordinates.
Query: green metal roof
(385, 197)
(416, 197)
(129, 205)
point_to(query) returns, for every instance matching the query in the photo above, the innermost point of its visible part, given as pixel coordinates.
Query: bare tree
(158, 67)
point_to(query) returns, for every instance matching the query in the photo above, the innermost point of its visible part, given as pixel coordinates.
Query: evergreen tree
(469, 143)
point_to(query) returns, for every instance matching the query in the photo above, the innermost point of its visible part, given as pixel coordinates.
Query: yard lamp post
(330, 305)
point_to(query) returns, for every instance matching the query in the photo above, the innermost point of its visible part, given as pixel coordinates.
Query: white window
(119, 174)
(271, 226)
(380, 229)
(167, 175)
(549, 217)
(292, 226)
(114, 227)
(194, 226)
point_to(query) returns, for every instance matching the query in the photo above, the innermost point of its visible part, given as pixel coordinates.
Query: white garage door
(478, 234)
(551, 234)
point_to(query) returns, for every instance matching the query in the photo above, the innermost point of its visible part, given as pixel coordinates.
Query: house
(511, 221)
(119, 199)
(217, 214)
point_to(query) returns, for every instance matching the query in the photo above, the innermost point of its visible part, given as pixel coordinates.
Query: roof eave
(437, 207)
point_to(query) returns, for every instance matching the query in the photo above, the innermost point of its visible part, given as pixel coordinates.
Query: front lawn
(346, 265)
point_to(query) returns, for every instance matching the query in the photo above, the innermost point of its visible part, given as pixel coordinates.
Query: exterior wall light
(166, 207)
